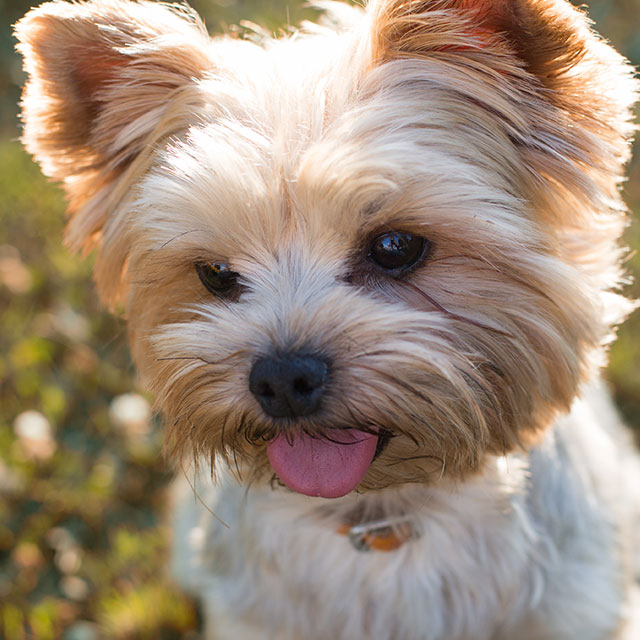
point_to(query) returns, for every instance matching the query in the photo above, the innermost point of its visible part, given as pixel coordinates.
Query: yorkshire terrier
(370, 270)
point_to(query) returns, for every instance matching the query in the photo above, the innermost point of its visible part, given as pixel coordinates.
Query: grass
(83, 539)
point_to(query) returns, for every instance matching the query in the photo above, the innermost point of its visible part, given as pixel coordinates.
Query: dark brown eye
(396, 251)
(217, 277)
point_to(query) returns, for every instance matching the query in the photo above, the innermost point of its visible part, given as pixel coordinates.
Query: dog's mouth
(329, 466)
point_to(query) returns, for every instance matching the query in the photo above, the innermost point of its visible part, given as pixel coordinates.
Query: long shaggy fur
(498, 131)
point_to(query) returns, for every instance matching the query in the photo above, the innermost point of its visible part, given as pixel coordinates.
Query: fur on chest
(511, 551)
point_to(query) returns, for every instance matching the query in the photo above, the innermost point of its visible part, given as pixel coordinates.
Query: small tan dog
(368, 271)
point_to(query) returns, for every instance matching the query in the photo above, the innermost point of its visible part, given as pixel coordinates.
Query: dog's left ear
(566, 94)
(108, 80)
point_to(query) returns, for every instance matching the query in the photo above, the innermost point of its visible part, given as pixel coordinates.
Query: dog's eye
(217, 277)
(396, 251)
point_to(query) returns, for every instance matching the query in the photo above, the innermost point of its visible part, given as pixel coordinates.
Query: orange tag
(381, 538)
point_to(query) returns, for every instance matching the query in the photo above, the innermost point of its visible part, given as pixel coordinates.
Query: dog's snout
(288, 386)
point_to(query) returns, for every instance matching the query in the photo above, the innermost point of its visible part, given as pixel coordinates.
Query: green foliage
(83, 543)
(101, 491)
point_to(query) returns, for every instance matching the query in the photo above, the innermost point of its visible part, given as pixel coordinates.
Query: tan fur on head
(497, 130)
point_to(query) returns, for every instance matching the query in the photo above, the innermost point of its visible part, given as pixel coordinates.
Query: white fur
(514, 554)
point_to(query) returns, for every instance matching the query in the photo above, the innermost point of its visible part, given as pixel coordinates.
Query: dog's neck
(386, 520)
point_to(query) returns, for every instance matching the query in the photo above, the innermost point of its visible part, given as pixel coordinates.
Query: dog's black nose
(288, 386)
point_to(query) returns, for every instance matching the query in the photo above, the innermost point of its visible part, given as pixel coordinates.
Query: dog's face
(362, 257)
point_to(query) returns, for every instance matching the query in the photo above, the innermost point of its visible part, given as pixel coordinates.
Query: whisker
(411, 389)
(413, 458)
(275, 482)
(194, 389)
(253, 435)
(236, 465)
(199, 499)
(451, 314)
(375, 429)
(396, 380)
(189, 411)
(180, 235)
(378, 352)
(223, 432)
(488, 396)
(232, 355)
(512, 276)
(253, 478)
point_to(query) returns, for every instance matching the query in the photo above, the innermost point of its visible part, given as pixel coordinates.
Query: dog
(370, 270)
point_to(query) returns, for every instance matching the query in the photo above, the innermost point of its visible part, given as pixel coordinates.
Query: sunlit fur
(497, 130)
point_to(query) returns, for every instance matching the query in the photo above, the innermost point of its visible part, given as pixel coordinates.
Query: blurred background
(83, 486)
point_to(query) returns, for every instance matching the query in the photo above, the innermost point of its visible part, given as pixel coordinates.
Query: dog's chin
(327, 466)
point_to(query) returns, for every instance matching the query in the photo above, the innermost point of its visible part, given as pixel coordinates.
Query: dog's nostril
(266, 390)
(303, 386)
(291, 385)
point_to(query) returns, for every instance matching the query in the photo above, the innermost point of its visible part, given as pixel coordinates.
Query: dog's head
(371, 253)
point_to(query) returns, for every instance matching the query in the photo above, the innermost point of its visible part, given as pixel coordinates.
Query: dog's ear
(566, 94)
(107, 80)
(546, 40)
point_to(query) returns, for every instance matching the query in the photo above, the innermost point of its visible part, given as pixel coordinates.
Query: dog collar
(381, 535)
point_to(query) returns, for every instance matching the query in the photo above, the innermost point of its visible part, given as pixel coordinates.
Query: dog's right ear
(108, 80)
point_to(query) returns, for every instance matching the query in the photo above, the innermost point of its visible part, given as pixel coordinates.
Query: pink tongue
(322, 467)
